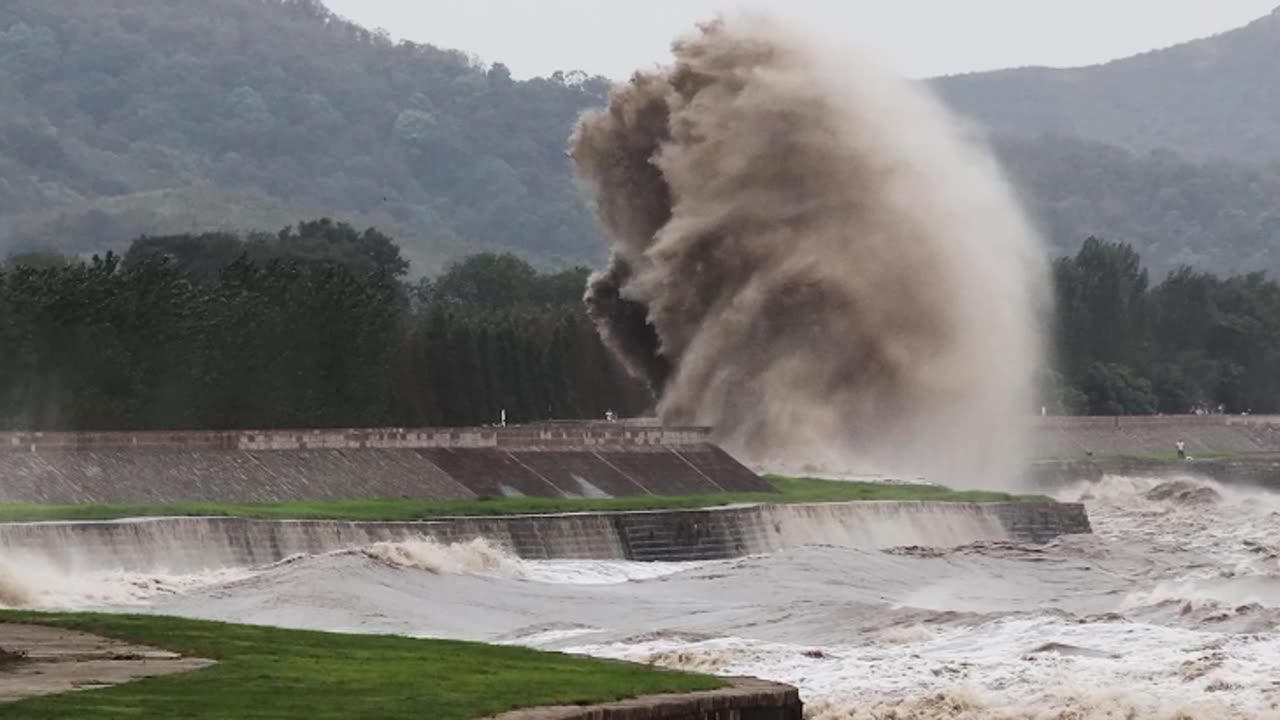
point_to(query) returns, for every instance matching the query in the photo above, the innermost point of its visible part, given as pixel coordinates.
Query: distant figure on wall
(1182, 449)
(608, 416)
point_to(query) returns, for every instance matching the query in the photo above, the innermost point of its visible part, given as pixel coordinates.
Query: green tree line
(1194, 342)
(317, 326)
(312, 327)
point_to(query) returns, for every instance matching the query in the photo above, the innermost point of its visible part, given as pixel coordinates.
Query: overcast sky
(915, 37)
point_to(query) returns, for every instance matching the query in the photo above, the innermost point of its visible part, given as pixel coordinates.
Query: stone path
(58, 661)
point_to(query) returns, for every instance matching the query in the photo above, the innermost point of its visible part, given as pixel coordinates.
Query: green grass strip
(265, 672)
(790, 490)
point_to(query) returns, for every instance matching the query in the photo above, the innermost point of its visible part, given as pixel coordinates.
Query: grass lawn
(286, 674)
(790, 490)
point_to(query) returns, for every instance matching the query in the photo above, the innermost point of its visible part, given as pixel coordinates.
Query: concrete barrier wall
(1263, 472)
(182, 545)
(1066, 437)
(533, 436)
(169, 476)
(586, 460)
(745, 699)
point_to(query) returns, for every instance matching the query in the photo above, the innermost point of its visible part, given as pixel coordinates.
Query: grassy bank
(789, 490)
(286, 674)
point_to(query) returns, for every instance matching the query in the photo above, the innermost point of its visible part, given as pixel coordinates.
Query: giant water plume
(811, 257)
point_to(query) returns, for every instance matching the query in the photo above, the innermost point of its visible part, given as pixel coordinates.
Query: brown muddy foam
(795, 222)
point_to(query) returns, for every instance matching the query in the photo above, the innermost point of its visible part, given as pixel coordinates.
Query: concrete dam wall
(586, 460)
(1260, 471)
(1075, 449)
(183, 545)
(1070, 437)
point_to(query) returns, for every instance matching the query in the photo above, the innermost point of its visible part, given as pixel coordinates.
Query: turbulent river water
(1170, 610)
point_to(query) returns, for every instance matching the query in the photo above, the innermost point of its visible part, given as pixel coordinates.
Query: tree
(1112, 389)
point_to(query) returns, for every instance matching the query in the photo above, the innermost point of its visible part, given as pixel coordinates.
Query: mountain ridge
(127, 117)
(1208, 98)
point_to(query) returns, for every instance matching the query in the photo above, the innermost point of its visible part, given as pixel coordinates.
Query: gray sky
(915, 37)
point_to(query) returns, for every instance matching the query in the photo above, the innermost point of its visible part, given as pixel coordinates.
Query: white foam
(43, 587)
(481, 557)
(14, 592)
(600, 572)
(477, 557)
(1140, 668)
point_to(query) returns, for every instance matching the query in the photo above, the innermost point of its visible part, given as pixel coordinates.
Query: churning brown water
(1168, 612)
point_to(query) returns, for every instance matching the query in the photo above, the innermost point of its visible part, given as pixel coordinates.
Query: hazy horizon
(918, 38)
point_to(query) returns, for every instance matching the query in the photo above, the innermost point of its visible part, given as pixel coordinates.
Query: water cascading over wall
(192, 544)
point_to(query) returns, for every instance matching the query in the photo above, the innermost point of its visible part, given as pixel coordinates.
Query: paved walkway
(58, 661)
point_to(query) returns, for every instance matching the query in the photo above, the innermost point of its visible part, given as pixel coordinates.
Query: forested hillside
(127, 117)
(1217, 97)
(1214, 216)
(119, 117)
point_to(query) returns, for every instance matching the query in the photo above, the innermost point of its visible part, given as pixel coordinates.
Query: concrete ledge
(1141, 435)
(745, 699)
(527, 436)
(191, 544)
(1261, 471)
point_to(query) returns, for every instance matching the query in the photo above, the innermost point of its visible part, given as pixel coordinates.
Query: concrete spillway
(184, 545)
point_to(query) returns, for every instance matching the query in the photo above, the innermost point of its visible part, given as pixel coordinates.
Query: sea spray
(475, 557)
(482, 557)
(14, 592)
(811, 257)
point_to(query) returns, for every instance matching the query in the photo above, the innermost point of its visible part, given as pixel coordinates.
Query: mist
(815, 259)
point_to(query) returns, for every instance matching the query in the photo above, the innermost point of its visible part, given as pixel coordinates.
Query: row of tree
(312, 327)
(317, 326)
(1195, 342)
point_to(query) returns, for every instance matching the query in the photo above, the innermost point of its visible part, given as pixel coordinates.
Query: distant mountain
(1215, 216)
(124, 116)
(1213, 98)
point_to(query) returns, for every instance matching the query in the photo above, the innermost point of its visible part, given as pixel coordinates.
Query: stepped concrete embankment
(190, 544)
(1231, 449)
(572, 460)
(1073, 437)
(1259, 471)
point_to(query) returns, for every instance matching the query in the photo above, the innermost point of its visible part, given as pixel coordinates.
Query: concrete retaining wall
(542, 436)
(1064, 437)
(1256, 471)
(586, 460)
(745, 699)
(182, 545)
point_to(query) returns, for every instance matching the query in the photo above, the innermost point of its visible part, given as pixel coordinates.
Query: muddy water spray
(812, 258)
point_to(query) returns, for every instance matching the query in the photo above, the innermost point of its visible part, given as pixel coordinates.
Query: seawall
(745, 699)
(571, 460)
(1076, 437)
(1260, 471)
(1075, 449)
(190, 544)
